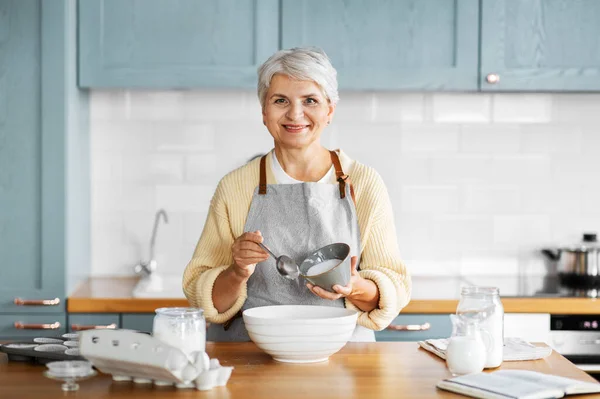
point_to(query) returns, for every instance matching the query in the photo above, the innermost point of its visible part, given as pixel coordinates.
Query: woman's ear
(331, 111)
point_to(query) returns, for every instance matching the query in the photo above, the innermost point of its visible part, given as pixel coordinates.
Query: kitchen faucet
(147, 268)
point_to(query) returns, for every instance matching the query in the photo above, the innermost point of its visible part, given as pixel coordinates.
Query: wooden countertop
(113, 295)
(359, 370)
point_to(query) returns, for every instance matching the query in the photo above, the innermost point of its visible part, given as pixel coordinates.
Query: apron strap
(339, 174)
(262, 184)
(341, 177)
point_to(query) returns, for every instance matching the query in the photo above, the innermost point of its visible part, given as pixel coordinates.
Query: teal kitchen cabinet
(42, 183)
(550, 45)
(137, 321)
(416, 327)
(175, 43)
(390, 44)
(89, 321)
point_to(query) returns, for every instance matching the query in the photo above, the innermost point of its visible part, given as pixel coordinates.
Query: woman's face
(295, 111)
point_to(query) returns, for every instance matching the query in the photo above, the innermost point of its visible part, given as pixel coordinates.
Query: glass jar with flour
(483, 305)
(183, 328)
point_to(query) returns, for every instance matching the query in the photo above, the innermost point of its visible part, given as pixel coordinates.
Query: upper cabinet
(549, 45)
(175, 43)
(416, 45)
(390, 44)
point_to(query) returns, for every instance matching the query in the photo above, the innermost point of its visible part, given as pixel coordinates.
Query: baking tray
(29, 354)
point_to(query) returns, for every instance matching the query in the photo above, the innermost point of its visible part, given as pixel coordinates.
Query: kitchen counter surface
(531, 294)
(359, 370)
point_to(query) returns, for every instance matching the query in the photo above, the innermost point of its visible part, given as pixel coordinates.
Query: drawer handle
(409, 327)
(36, 302)
(22, 326)
(78, 327)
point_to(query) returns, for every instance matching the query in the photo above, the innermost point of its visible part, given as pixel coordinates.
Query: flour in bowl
(323, 267)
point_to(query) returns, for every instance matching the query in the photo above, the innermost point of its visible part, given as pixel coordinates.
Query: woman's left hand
(363, 293)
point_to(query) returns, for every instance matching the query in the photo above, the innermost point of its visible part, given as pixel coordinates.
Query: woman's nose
(295, 112)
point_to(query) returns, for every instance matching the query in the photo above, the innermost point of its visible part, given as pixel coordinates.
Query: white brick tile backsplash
(451, 232)
(484, 139)
(106, 166)
(201, 168)
(157, 106)
(478, 182)
(512, 169)
(488, 264)
(491, 199)
(430, 199)
(196, 137)
(193, 222)
(461, 169)
(591, 139)
(109, 105)
(183, 198)
(399, 107)
(438, 139)
(461, 108)
(354, 106)
(522, 108)
(554, 198)
(522, 230)
(214, 105)
(577, 108)
(549, 139)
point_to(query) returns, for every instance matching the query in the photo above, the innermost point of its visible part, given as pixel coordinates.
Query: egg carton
(129, 355)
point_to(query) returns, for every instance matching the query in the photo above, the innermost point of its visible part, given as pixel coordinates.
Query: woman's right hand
(247, 253)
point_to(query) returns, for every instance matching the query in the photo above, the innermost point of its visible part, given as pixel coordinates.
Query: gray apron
(296, 220)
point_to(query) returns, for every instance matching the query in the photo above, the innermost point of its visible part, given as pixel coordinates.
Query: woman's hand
(363, 293)
(247, 253)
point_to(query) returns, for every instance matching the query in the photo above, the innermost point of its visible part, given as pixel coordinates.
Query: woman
(296, 199)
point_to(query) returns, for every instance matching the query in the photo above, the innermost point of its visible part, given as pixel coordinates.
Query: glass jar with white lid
(183, 328)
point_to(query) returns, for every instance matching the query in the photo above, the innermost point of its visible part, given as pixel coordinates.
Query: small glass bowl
(70, 371)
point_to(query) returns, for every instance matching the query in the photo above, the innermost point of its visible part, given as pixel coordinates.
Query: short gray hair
(302, 63)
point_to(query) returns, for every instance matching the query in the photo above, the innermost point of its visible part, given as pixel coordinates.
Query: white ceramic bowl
(299, 333)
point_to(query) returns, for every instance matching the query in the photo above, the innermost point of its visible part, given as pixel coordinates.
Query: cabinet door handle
(409, 327)
(36, 302)
(23, 326)
(79, 327)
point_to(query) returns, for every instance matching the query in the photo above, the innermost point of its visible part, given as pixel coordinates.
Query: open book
(516, 384)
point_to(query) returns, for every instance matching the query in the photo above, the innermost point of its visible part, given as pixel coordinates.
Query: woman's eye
(311, 100)
(280, 101)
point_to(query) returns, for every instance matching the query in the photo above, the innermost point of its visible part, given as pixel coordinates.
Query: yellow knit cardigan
(380, 257)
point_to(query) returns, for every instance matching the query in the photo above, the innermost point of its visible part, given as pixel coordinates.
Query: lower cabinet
(24, 327)
(532, 327)
(416, 327)
(137, 321)
(132, 321)
(88, 321)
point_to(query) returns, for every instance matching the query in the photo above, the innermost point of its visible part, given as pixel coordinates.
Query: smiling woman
(273, 199)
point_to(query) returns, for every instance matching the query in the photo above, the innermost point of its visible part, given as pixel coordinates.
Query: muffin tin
(42, 350)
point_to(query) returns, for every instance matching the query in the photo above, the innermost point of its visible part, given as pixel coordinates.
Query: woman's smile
(296, 128)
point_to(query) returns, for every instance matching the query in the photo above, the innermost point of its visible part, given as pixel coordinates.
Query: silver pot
(581, 259)
(578, 266)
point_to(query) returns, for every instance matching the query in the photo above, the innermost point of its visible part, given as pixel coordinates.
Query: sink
(159, 286)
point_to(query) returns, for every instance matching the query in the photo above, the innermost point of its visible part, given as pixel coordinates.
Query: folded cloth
(515, 349)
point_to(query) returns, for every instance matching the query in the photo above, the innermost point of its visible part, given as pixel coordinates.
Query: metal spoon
(285, 265)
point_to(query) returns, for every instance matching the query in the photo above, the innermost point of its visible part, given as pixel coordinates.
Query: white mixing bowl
(299, 333)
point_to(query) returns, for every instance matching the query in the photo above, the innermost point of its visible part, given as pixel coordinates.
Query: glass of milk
(183, 328)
